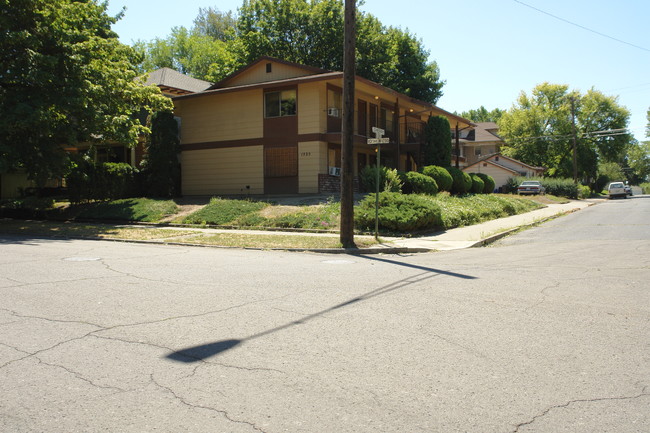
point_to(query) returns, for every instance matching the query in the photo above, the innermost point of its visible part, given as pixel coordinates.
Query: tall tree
(308, 32)
(481, 114)
(538, 130)
(65, 79)
(437, 146)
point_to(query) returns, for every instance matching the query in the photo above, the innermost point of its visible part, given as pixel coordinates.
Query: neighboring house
(502, 168)
(274, 127)
(171, 84)
(484, 142)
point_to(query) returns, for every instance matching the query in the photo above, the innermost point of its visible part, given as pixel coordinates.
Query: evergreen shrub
(418, 183)
(489, 183)
(462, 181)
(389, 179)
(477, 184)
(398, 212)
(440, 175)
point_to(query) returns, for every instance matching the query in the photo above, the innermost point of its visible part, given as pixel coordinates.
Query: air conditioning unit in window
(335, 171)
(334, 112)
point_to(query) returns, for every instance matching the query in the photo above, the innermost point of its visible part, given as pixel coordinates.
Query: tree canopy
(65, 79)
(538, 130)
(308, 32)
(481, 114)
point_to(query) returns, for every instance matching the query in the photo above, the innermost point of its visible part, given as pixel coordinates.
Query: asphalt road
(546, 331)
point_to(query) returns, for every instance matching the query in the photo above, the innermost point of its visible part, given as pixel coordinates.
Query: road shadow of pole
(204, 351)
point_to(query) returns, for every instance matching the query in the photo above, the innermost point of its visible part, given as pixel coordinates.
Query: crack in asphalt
(643, 393)
(544, 296)
(224, 413)
(79, 376)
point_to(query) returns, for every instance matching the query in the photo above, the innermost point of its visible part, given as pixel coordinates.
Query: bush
(418, 183)
(462, 181)
(222, 211)
(389, 179)
(440, 175)
(559, 187)
(645, 187)
(477, 184)
(398, 212)
(584, 191)
(489, 183)
(104, 181)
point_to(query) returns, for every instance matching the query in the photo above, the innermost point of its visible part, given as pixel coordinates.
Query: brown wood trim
(223, 144)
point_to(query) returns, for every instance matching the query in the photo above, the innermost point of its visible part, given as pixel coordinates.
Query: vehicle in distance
(531, 187)
(628, 189)
(616, 189)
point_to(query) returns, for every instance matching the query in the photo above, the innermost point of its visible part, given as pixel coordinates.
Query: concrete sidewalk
(489, 231)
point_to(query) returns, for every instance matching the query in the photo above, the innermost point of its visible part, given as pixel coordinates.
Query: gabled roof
(491, 160)
(495, 164)
(174, 82)
(308, 70)
(486, 132)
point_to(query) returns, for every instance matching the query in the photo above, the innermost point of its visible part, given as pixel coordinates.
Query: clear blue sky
(487, 51)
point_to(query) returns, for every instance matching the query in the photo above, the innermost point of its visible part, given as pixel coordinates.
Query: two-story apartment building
(274, 127)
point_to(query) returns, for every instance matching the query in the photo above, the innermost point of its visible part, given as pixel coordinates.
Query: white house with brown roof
(502, 168)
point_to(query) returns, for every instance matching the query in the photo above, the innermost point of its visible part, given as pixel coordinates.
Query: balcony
(411, 132)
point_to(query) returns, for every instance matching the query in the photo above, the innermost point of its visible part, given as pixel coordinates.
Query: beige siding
(312, 160)
(499, 175)
(223, 171)
(311, 108)
(12, 183)
(220, 117)
(258, 74)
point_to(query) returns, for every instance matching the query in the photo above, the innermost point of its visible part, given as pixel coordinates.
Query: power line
(582, 27)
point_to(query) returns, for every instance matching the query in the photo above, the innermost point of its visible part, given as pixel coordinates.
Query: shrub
(440, 175)
(220, 211)
(399, 212)
(645, 187)
(104, 181)
(477, 184)
(462, 181)
(389, 179)
(489, 183)
(584, 191)
(418, 183)
(559, 187)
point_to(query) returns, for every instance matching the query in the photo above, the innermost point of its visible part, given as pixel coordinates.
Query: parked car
(628, 189)
(616, 189)
(531, 187)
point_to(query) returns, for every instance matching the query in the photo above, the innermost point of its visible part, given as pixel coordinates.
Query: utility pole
(347, 135)
(575, 144)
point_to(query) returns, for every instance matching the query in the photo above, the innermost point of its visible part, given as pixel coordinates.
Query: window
(334, 103)
(269, 68)
(477, 151)
(278, 104)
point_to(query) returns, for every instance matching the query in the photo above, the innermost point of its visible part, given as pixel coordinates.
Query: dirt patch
(276, 211)
(185, 210)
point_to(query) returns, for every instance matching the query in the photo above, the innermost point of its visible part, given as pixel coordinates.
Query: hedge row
(430, 181)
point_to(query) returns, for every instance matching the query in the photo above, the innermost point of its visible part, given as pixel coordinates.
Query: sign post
(378, 141)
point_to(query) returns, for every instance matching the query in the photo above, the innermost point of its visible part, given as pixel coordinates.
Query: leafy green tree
(437, 144)
(161, 166)
(215, 24)
(538, 130)
(65, 79)
(308, 32)
(481, 114)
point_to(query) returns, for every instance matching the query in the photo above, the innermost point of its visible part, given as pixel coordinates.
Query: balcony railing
(412, 132)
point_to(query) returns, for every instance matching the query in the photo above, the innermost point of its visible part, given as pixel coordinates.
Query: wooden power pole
(347, 139)
(575, 144)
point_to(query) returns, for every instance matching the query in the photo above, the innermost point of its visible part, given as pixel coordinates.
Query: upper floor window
(281, 103)
(334, 102)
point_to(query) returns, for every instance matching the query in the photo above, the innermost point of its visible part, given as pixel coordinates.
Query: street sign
(378, 131)
(385, 140)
